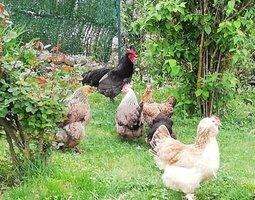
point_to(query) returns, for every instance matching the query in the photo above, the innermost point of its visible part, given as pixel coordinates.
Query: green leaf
(172, 62)
(28, 109)
(11, 35)
(175, 70)
(230, 7)
(208, 29)
(205, 94)
(3, 112)
(49, 112)
(237, 24)
(231, 4)
(158, 6)
(182, 4)
(198, 92)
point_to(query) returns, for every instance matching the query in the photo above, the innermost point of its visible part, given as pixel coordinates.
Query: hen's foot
(77, 150)
(190, 197)
(112, 100)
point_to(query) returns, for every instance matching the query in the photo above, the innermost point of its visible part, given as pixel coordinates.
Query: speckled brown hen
(151, 110)
(71, 130)
(78, 106)
(70, 135)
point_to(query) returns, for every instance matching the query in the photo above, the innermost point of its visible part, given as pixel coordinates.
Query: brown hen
(151, 110)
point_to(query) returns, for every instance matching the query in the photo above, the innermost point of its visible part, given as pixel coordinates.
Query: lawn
(110, 168)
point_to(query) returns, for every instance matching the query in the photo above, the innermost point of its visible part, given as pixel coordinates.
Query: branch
(20, 129)
(240, 11)
(200, 64)
(11, 148)
(10, 130)
(212, 58)
(218, 63)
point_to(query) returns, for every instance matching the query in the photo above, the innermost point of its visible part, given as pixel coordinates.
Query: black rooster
(109, 82)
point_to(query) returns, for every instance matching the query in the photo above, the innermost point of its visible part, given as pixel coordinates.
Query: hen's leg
(190, 197)
(112, 100)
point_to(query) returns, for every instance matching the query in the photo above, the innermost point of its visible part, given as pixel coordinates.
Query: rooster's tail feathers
(92, 78)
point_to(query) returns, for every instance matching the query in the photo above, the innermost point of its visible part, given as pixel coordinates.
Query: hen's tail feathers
(139, 122)
(92, 78)
(140, 110)
(161, 133)
(172, 100)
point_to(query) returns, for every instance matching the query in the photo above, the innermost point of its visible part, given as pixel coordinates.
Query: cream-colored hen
(186, 166)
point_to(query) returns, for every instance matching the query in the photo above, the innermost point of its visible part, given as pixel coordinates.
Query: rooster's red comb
(132, 51)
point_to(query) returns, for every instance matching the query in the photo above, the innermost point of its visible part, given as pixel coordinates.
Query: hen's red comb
(216, 117)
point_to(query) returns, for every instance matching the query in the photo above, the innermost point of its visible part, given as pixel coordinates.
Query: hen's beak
(219, 124)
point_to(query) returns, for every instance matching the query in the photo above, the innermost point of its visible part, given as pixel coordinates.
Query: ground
(110, 168)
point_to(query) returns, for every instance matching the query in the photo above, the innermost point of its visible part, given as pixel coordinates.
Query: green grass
(110, 168)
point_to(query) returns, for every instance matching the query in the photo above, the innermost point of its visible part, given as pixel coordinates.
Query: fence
(81, 26)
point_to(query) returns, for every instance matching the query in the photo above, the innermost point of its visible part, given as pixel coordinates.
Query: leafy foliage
(195, 43)
(31, 99)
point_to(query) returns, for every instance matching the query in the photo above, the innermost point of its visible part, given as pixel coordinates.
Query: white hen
(186, 166)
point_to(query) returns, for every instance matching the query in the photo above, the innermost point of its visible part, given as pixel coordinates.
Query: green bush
(199, 45)
(31, 101)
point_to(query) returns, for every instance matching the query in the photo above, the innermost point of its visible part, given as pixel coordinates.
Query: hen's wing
(71, 134)
(166, 108)
(168, 151)
(75, 133)
(129, 121)
(78, 111)
(150, 112)
(128, 115)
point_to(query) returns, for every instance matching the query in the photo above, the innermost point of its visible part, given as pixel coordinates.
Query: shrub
(30, 99)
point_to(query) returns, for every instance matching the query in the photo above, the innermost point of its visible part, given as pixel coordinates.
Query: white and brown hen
(186, 166)
(129, 119)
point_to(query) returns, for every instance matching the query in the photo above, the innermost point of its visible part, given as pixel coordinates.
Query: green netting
(81, 26)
